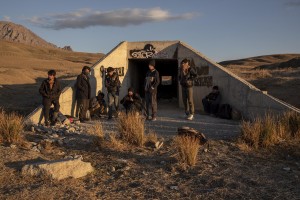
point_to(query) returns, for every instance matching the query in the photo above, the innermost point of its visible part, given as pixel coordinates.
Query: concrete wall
(243, 96)
(116, 58)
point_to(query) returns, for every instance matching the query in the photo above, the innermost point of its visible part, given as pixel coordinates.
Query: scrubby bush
(131, 128)
(11, 128)
(188, 148)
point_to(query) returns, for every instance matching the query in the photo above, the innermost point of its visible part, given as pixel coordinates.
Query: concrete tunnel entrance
(168, 71)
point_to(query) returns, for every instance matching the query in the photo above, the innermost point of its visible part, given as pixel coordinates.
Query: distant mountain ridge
(19, 34)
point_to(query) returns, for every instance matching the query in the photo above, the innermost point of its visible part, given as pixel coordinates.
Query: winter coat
(187, 80)
(214, 97)
(83, 87)
(112, 83)
(48, 93)
(151, 81)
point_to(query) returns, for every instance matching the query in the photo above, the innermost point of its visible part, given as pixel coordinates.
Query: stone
(205, 150)
(32, 129)
(112, 169)
(158, 144)
(59, 169)
(163, 162)
(13, 146)
(286, 168)
(174, 187)
(71, 129)
(35, 148)
(55, 135)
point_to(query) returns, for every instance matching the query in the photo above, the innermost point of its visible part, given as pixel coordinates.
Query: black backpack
(225, 111)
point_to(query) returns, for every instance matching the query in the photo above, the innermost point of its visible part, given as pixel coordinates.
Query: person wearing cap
(151, 83)
(186, 80)
(50, 90)
(211, 101)
(132, 102)
(83, 93)
(112, 84)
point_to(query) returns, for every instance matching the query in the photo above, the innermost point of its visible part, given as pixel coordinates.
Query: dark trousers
(113, 100)
(150, 98)
(188, 100)
(82, 108)
(210, 106)
(46, 107)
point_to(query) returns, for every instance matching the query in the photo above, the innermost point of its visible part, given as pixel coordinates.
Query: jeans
(188, 100)
(46, 107)
(82, 107)
(113, 99)
(151, 98)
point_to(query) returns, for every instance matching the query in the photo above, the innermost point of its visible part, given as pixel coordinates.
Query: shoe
(148, 118)
(153, 119)
(190, 117)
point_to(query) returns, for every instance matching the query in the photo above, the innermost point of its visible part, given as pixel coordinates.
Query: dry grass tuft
(115, 142)
(131, 128)
(11, 128)
(188, 148)
(270, 130)
(151, 137)
(98, 133)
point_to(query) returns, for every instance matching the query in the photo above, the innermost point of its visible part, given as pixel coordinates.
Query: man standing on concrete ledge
(186, 79)
(83, 93)
(151, 83)
(50, 90)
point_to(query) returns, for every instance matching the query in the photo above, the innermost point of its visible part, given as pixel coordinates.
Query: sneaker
(153, 119)
(190, 117)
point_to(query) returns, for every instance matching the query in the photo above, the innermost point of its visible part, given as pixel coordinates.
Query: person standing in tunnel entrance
(151, 83)
(187, 75)
(83, 93)
(112, 84)
(50, 90)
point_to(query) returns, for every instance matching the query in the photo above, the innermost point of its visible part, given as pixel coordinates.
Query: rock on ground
(59, 169)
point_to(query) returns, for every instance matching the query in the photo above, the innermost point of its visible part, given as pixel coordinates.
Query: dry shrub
(188, 148)
(11, 128)
(260, 73)
(98, 133)
(290, 121)
(270, 130)
(115, 142)
(131, 128)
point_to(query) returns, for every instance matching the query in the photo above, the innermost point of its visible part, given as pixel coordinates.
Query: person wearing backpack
(186, 77)
(211, 101)
(112, 84)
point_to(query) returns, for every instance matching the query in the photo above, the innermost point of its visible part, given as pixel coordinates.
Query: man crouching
(50, 90)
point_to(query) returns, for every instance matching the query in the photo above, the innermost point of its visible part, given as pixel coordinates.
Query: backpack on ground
(225, 111)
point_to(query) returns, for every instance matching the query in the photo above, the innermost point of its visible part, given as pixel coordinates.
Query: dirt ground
(223, 172)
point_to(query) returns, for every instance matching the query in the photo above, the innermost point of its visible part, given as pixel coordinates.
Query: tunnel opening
(168, 72)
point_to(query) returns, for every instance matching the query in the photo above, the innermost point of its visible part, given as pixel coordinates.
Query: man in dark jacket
(211, 101)
(50, 90)
(186, 79)
(132, 102)
(83, 93)
(112, 84)
(151, 83)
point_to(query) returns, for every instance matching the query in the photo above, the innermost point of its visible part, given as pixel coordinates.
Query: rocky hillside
(17, 33)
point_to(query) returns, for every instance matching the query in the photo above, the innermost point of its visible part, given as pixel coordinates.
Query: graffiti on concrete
(203, 70)
(119, 70)
(204, 81)
(147, 52)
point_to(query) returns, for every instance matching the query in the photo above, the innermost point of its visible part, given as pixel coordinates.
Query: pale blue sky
(221, 29)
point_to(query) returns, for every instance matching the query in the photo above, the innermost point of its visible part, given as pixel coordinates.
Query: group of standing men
(51, 90)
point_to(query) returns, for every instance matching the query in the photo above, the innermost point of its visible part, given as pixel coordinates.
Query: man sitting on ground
(132, 102)
(211, 101)
(98, 105)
